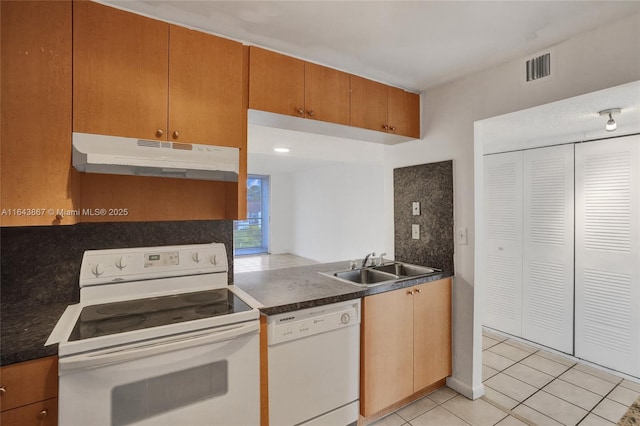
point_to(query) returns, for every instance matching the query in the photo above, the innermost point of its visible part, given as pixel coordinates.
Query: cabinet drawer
(28, 382)
(43, 413)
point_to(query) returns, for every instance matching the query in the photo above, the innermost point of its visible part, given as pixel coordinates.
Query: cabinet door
(29, 382)
(386, 371)
(43, 413)
(327, 94)
(368, 104)
(35, 152)
(276, 83)
(503, 224)
(205, 89)
(607, 264)
(431, 333)
(120, 72)
(547, 285)
(404, 113)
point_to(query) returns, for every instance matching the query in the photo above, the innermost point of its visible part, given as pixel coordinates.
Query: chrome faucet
(366, 258)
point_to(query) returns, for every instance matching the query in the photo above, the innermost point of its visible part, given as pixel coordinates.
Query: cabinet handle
(418, 290)
(385, 127)
(176, 134)
(3, 391)
(410, 292)
(159, 132)
(43, 414)
(392, 128)
(300, 111)
(310, 112)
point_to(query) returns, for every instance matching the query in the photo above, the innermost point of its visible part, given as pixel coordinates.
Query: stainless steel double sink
(382, 274)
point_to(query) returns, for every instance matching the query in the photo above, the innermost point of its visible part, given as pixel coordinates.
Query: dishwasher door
(314, 366)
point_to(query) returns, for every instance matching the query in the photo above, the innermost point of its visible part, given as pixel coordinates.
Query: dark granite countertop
(290, 289)
(25, 329)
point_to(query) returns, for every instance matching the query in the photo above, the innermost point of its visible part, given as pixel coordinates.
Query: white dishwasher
(314, 365)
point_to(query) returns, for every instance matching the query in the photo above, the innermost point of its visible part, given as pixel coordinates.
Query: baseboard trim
(462, 388)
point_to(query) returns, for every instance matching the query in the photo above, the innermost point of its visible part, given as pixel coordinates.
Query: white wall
(337, 212)
(280, 216)
(327, 193)
(605, 57)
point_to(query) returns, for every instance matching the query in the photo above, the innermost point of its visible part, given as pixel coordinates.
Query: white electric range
(158, 338)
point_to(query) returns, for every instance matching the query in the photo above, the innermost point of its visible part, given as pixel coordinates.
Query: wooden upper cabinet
(120, 72)
(290, 86)
(327, 94)
(285, 85)
(35, 152)
(205, 89)
(368, 104)
(376, 106)
(276, 83)
(142, 78)
(404, 112)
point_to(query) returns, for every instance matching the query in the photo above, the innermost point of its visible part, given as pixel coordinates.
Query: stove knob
(345, 318)
(196, 257)
(214, 260)
(121, 263)
(98, 269)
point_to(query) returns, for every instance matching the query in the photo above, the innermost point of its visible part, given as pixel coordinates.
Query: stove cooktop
(129, 315)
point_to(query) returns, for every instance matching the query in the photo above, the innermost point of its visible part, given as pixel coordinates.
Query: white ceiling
(307, 151)
(411, 44)
(569, 120)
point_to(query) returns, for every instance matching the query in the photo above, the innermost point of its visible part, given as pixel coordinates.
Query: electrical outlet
(461, 235)
(415, 231)
(416, 208)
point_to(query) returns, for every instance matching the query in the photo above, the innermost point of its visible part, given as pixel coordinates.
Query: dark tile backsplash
(432, 186)
(41, 264)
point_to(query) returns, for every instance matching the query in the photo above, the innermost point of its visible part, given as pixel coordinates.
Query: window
(251, 236)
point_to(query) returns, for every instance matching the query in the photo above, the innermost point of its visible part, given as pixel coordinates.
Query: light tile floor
(525, 385)
(263, 262)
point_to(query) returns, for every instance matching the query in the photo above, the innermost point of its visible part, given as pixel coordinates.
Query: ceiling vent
(539, 66)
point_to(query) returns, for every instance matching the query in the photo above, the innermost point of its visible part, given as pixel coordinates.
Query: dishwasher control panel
(308, 322)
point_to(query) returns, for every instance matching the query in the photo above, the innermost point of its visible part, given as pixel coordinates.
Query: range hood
(130, 156)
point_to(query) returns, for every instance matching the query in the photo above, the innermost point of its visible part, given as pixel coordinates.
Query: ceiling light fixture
(611, 123)
(281, 149)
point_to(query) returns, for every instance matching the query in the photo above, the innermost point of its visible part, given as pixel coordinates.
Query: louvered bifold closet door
(547, 281)
(608, 253)
(503, 215)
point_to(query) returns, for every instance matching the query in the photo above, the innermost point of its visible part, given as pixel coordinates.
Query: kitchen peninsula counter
(301, 287)
(25, 329)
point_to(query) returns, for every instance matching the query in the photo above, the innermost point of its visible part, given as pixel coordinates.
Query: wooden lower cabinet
(29, 393)
(406, 344)
(431, 333)
(42, 413)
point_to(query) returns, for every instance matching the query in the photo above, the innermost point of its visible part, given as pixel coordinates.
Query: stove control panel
(121, 265)
(164, 258)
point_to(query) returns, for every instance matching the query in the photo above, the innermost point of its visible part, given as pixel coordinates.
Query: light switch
(416, 208)
(415, 231)
(461, 235)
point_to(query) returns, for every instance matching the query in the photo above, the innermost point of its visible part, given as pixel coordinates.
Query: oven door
(203, 378)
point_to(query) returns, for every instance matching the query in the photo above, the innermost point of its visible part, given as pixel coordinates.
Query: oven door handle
(156, 347)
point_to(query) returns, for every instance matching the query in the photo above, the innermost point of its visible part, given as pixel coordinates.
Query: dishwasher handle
(156, 347)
